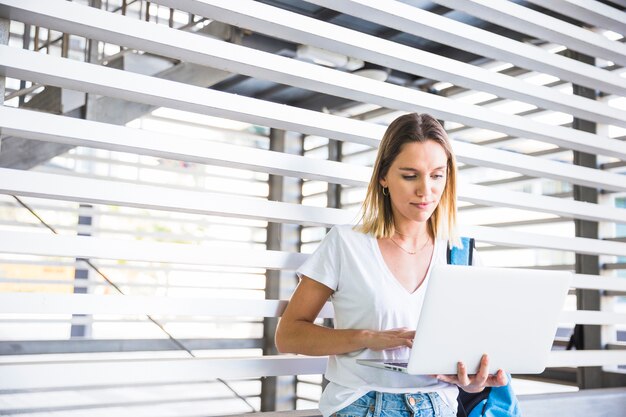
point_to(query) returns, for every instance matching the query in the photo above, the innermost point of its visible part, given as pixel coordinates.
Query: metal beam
(619, 3)
(427, 25)
(525, 20)
(85, 77)
(284, 70)
(588, 12)
(26, 154)
(277, 22)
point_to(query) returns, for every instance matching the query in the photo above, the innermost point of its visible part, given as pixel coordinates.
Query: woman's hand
(388, 339)
(478, 382)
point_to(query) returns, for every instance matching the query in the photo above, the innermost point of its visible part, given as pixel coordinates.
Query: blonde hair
(377, 215)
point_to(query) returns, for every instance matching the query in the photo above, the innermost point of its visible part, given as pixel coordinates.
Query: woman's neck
(416, 232)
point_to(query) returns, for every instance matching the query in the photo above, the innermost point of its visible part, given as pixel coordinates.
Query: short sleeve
(324, 264)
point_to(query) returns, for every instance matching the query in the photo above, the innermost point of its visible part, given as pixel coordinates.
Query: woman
(375, 275)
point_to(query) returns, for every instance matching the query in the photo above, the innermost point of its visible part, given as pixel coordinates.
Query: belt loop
(379, 404)
(433, 399)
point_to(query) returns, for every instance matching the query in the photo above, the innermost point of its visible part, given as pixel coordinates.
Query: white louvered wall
(180, 204)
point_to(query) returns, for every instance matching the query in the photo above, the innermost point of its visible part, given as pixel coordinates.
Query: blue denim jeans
(382, 404)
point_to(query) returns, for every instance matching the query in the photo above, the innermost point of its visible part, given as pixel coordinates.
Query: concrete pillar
(586, 337)
(4, 40)
(82, 271)
(279, 393)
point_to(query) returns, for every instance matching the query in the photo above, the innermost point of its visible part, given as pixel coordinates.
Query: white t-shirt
(368, 296)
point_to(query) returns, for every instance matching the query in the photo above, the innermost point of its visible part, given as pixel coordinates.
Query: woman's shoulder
(348, 230)
(347, 233)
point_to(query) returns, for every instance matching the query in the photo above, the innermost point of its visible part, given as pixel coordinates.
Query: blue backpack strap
(461, 255)
(491, 402)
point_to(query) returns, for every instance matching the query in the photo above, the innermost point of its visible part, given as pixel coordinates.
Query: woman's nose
(421, 186)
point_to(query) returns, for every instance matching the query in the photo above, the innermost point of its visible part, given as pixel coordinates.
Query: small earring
(386, 189)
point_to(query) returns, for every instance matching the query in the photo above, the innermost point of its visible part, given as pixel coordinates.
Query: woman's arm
(296, 332)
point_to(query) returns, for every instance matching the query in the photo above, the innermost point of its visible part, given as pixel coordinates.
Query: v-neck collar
(392, 277)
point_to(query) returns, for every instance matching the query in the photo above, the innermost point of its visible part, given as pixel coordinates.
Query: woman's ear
(383, 182)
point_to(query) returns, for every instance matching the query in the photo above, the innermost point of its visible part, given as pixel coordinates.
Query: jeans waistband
(377, 401)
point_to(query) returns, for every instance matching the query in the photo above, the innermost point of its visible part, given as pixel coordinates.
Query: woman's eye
(409, 177)
(437, 176)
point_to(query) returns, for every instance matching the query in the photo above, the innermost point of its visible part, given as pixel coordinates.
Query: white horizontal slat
(582, 281)
(91, 247)
(590, 12)
(594, 282)
(129, 86)
(543, 168)
(59, 129)
(298, 28)
(107, 192)
(413, 20)
(589, 282)
(592, 317)
(33, 375)
(479, 194)
(15, 303)
(525, 20)
(575, 358)
(65, 187)
(77, 132)
(515, 238)
(45, 244)
(100, 80)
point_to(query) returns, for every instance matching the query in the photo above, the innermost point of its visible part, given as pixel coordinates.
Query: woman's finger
(499, 379)
(483, 371)
(461, 374)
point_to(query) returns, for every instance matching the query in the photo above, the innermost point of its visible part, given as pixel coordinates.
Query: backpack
(492, 401)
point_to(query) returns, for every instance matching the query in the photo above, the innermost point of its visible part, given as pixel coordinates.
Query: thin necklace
(405, 250)
(398, 245)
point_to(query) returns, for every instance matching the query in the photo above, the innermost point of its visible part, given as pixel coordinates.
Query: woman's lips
(422, 205)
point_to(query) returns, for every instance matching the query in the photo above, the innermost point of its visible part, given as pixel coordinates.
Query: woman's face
(416, 180)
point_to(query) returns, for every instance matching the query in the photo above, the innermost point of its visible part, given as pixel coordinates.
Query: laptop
(510, 314)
